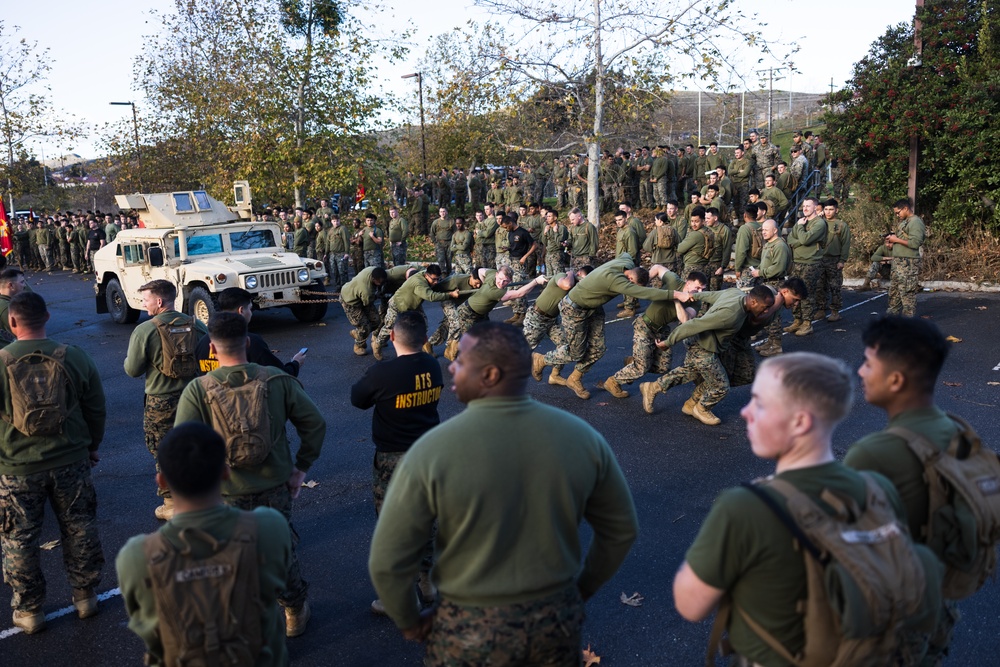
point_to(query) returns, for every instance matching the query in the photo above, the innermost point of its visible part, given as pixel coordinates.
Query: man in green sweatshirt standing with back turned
(509, 569)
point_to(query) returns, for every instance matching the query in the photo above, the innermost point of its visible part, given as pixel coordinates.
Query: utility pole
(423, 140)
(918, 48)
(135, 126)
(770, 93)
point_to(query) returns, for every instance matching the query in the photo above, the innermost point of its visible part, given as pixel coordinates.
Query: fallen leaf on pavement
(953, 339)
(993, 383)
(320, 324)
(953, 384)
(634, 600)
(311, 484)
(980, 307)
(590, 658)
(603, 404)
(49, 546)
(841, 330)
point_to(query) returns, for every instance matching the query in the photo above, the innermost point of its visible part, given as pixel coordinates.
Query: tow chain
(305, 292)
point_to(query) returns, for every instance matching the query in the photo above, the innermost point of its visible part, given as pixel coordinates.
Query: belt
(652, 327)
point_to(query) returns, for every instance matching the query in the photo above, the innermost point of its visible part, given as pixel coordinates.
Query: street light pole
(135, 126)
(423, 139)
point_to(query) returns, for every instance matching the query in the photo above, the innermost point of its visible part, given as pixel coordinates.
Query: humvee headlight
(221, 278)
(303, 275)
(251, 282)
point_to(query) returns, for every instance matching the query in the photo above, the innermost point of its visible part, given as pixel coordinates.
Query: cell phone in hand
(303, 350)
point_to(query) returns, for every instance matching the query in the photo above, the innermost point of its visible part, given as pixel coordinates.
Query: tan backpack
(963, 519)
(178, 339)
(39, 391)
(241, 416)
(756, 242)
(867, 582)
(666, 237)
(208, 610)
(709, 247)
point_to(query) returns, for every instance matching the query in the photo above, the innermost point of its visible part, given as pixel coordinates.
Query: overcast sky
(93, 44)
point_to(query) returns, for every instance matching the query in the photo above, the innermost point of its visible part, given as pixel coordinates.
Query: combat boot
(426, 589)
(511, 319)
(575, 382)
(428, 348)
(85, 602)
(866, 285)
(451, 350)
(649, 390)
(378, 607)
(612, 386)
(805, 329)
(627, 313)
(296, 619)
(360, 349)
(705, 416)
(29, 621)
(769, 349)
(165, 512)
(517, 320)
(834, 316)
(688, 407)
(555, 378)
(377, 351)
(794, 326)
(537, 365)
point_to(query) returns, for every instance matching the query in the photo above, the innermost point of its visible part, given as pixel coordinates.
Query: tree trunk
(594, 145)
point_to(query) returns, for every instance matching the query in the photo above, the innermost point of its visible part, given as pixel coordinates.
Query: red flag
(360, 194)
(6, 242)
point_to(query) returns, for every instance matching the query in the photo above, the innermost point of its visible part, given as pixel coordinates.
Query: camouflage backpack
(867, 583)
(39, 391)
(240, 414)
(178, 339)
(756, 242)
(709, 247)
(208, 609)
(963, 519)
(666, 237)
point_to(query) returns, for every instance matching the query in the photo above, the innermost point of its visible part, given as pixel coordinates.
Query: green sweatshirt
(660, 314)
(145, 354)
(626, 241)
(83, 430)
(399, 230)
(286, 401)
(414, 292)
(913, 230)
(838, 240)
(488, 295)
(553, 238)
(508, 499)
(723, 249)
(714, 329)
(807, 240)
(367, 243)
(361, 290)
(608, 281)
(461, 241)
(775, 259)
(584, 240)
(744, 244)
(274, 546)
(692, 247)
(547, 302)
(338, 240)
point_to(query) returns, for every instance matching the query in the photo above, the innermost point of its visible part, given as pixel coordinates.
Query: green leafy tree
(949, 98)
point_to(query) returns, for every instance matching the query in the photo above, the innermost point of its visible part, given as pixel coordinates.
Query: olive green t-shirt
(487, 296)
(548, 301)
(889, 455)
(660, 314)
(743, 548)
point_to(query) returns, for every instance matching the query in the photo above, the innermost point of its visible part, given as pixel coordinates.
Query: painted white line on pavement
(10, 632)
(997, 367)
(877, 296)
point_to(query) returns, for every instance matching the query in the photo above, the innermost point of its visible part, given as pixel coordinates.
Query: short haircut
(814, 200)
(762, 293)
(410, 328)
(762, 206)
(164, 289)
(831, 202)
(795, 285)
(379, 274)
(698, 212)
(753, 191)
(433, 270)
(712, 187)
(699, 276)
(370, 215)
(29, 309)
(232, 299)
(822, 383)
(10, 274)
(504, 346)
(751, 210)
(914, 346)
(575, 211)
(641, 275)
(905, 202)
(192, 457)
(227, 331)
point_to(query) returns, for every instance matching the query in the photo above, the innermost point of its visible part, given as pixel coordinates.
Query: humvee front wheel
(311, 312)
(201, 306)
(121, 312)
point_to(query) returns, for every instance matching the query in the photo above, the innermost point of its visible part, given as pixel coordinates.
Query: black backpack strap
(793, 527)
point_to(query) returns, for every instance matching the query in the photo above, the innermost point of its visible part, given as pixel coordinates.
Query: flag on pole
(6, 241)
(360, 194)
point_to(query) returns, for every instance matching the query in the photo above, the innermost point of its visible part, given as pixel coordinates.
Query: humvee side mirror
(155, 254)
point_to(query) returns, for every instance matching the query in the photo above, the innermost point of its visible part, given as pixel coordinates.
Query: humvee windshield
(207, 244)
(251, 239)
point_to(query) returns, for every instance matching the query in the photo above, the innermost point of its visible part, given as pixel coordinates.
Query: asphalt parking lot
(674, 464)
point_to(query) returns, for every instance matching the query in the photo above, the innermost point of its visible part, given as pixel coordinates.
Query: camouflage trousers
(580, 261)
(582, 336)
(810, 274)
(383, 466)
(745, 279)
(704, 369)
(530, 264)
(76, 254)
(357, 259)
(158, 418)
(739, 362)
(489, 256)
(739, 200)
(463, 320)
(828, 292)
(278, 498)
(538, 325)
(398, 251)
(374, 258)
(715, 282)
(440, 335)
(501, 259)
(338, 269)
(646, 197)
(45, 251)
(443, 257)
(905, 280)
(70, 491)
(461, 262)
(544, 632)
(554, 263)
(519, 306)
(646, 357)
(390, 319)
(364, 319)
(774, 327)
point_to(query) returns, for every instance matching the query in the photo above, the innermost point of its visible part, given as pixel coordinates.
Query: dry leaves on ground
(953, 339)
(980, 307)
(49, 546)
(634, 600)
(311, 484)
(993, 384)
(590, 658)
(953, 384)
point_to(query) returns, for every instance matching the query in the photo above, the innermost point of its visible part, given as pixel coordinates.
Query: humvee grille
(276, 279)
